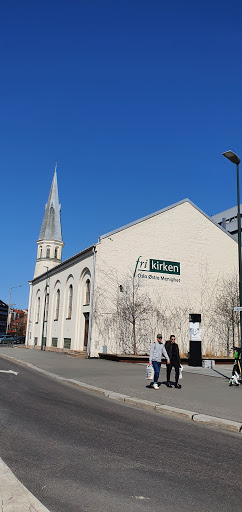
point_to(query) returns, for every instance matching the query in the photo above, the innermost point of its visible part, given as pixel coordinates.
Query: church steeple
(50, 243)
(51, 226)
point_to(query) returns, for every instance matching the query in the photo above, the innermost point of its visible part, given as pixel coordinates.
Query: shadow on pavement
(225, 376)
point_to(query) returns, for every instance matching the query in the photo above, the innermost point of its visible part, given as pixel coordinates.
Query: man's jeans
(156, 367)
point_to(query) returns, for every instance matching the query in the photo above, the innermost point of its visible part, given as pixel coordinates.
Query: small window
(57, 306)
(54, 342)
(56, 252)
(48, 252)
(88, 288)
(67, 342)
(40, 251)
(70, 301)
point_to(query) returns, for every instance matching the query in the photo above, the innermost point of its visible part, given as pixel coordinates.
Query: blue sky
(135, 100)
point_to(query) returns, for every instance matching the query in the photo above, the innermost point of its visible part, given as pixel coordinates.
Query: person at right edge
(174, 356)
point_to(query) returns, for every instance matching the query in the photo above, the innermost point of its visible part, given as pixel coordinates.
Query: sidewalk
(204, 391)
(14, 497)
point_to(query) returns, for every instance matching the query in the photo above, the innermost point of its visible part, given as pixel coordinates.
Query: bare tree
(133, 306)
(227, 320)
(123, 313)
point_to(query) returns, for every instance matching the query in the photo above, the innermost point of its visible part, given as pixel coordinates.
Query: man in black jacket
(174, 356)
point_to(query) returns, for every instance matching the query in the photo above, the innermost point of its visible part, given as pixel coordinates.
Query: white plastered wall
(42, 260)
(72, 272)
(179, 234)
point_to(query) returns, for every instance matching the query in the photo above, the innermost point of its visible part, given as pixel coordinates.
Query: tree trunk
(134, 337)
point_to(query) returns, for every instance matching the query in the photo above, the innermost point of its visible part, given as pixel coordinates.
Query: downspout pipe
(91, 303)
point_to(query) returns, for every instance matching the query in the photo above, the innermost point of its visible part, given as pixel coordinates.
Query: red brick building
(18, 322)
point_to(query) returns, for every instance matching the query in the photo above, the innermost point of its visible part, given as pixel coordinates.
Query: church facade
(155, 274)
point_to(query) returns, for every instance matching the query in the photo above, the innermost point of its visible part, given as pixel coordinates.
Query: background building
(228, 220)
(17, 322)
(3, 317)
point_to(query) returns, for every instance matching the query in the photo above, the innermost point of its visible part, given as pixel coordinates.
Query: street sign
(237, 308)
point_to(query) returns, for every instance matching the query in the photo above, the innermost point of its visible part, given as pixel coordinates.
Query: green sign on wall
(160, 266)
(165, 267)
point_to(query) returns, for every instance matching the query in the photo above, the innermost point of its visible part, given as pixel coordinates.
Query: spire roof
(51, 226)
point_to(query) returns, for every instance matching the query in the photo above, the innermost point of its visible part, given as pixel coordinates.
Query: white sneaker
(155, 385)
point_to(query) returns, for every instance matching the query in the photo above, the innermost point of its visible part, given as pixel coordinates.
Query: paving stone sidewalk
(204, 391)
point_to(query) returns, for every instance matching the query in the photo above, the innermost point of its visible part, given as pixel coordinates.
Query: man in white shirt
(157, 349)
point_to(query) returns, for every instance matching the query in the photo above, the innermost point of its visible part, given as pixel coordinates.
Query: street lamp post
(44, 313)
(236, 160)
(18, 286)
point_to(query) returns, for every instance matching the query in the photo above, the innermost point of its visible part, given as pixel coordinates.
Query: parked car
(7, 338)
(19, 339)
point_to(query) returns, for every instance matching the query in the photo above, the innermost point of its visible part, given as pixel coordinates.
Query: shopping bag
(180, 371)
(149, 372)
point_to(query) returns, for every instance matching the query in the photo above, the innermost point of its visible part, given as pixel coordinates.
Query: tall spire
(50, 243)
(51, 226)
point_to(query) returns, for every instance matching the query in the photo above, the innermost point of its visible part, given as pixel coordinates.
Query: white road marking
(9, 371)
(140, 498)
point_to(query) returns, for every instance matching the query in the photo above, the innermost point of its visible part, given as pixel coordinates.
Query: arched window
(88, 289)
(40, 251)
(70, 301)
(57, 305)
(46, 307)
(47, 251)
(38, 310)
(56, 252)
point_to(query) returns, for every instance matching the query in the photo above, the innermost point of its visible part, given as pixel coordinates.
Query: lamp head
(232, 157)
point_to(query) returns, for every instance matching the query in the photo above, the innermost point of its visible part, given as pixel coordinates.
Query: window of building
(40, 251)
(70, 301)
(56, 252)
(46, 307)
(88, 289)
(54, 342)
(57, 306)
(67, 342)
(37, 310)
(47, 252)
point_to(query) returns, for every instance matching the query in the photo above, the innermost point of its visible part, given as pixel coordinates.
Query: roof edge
(163, 210)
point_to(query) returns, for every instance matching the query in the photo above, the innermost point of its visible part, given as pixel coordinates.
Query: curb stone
(194, 416)
(175, 410)
(14, 496)
(117, 396)
(218, 422)
(89, 387)
(145, 404)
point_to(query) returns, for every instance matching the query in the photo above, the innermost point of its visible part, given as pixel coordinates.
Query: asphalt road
(80, 452)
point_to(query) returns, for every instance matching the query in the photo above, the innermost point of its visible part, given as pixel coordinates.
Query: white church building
(155, 274)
